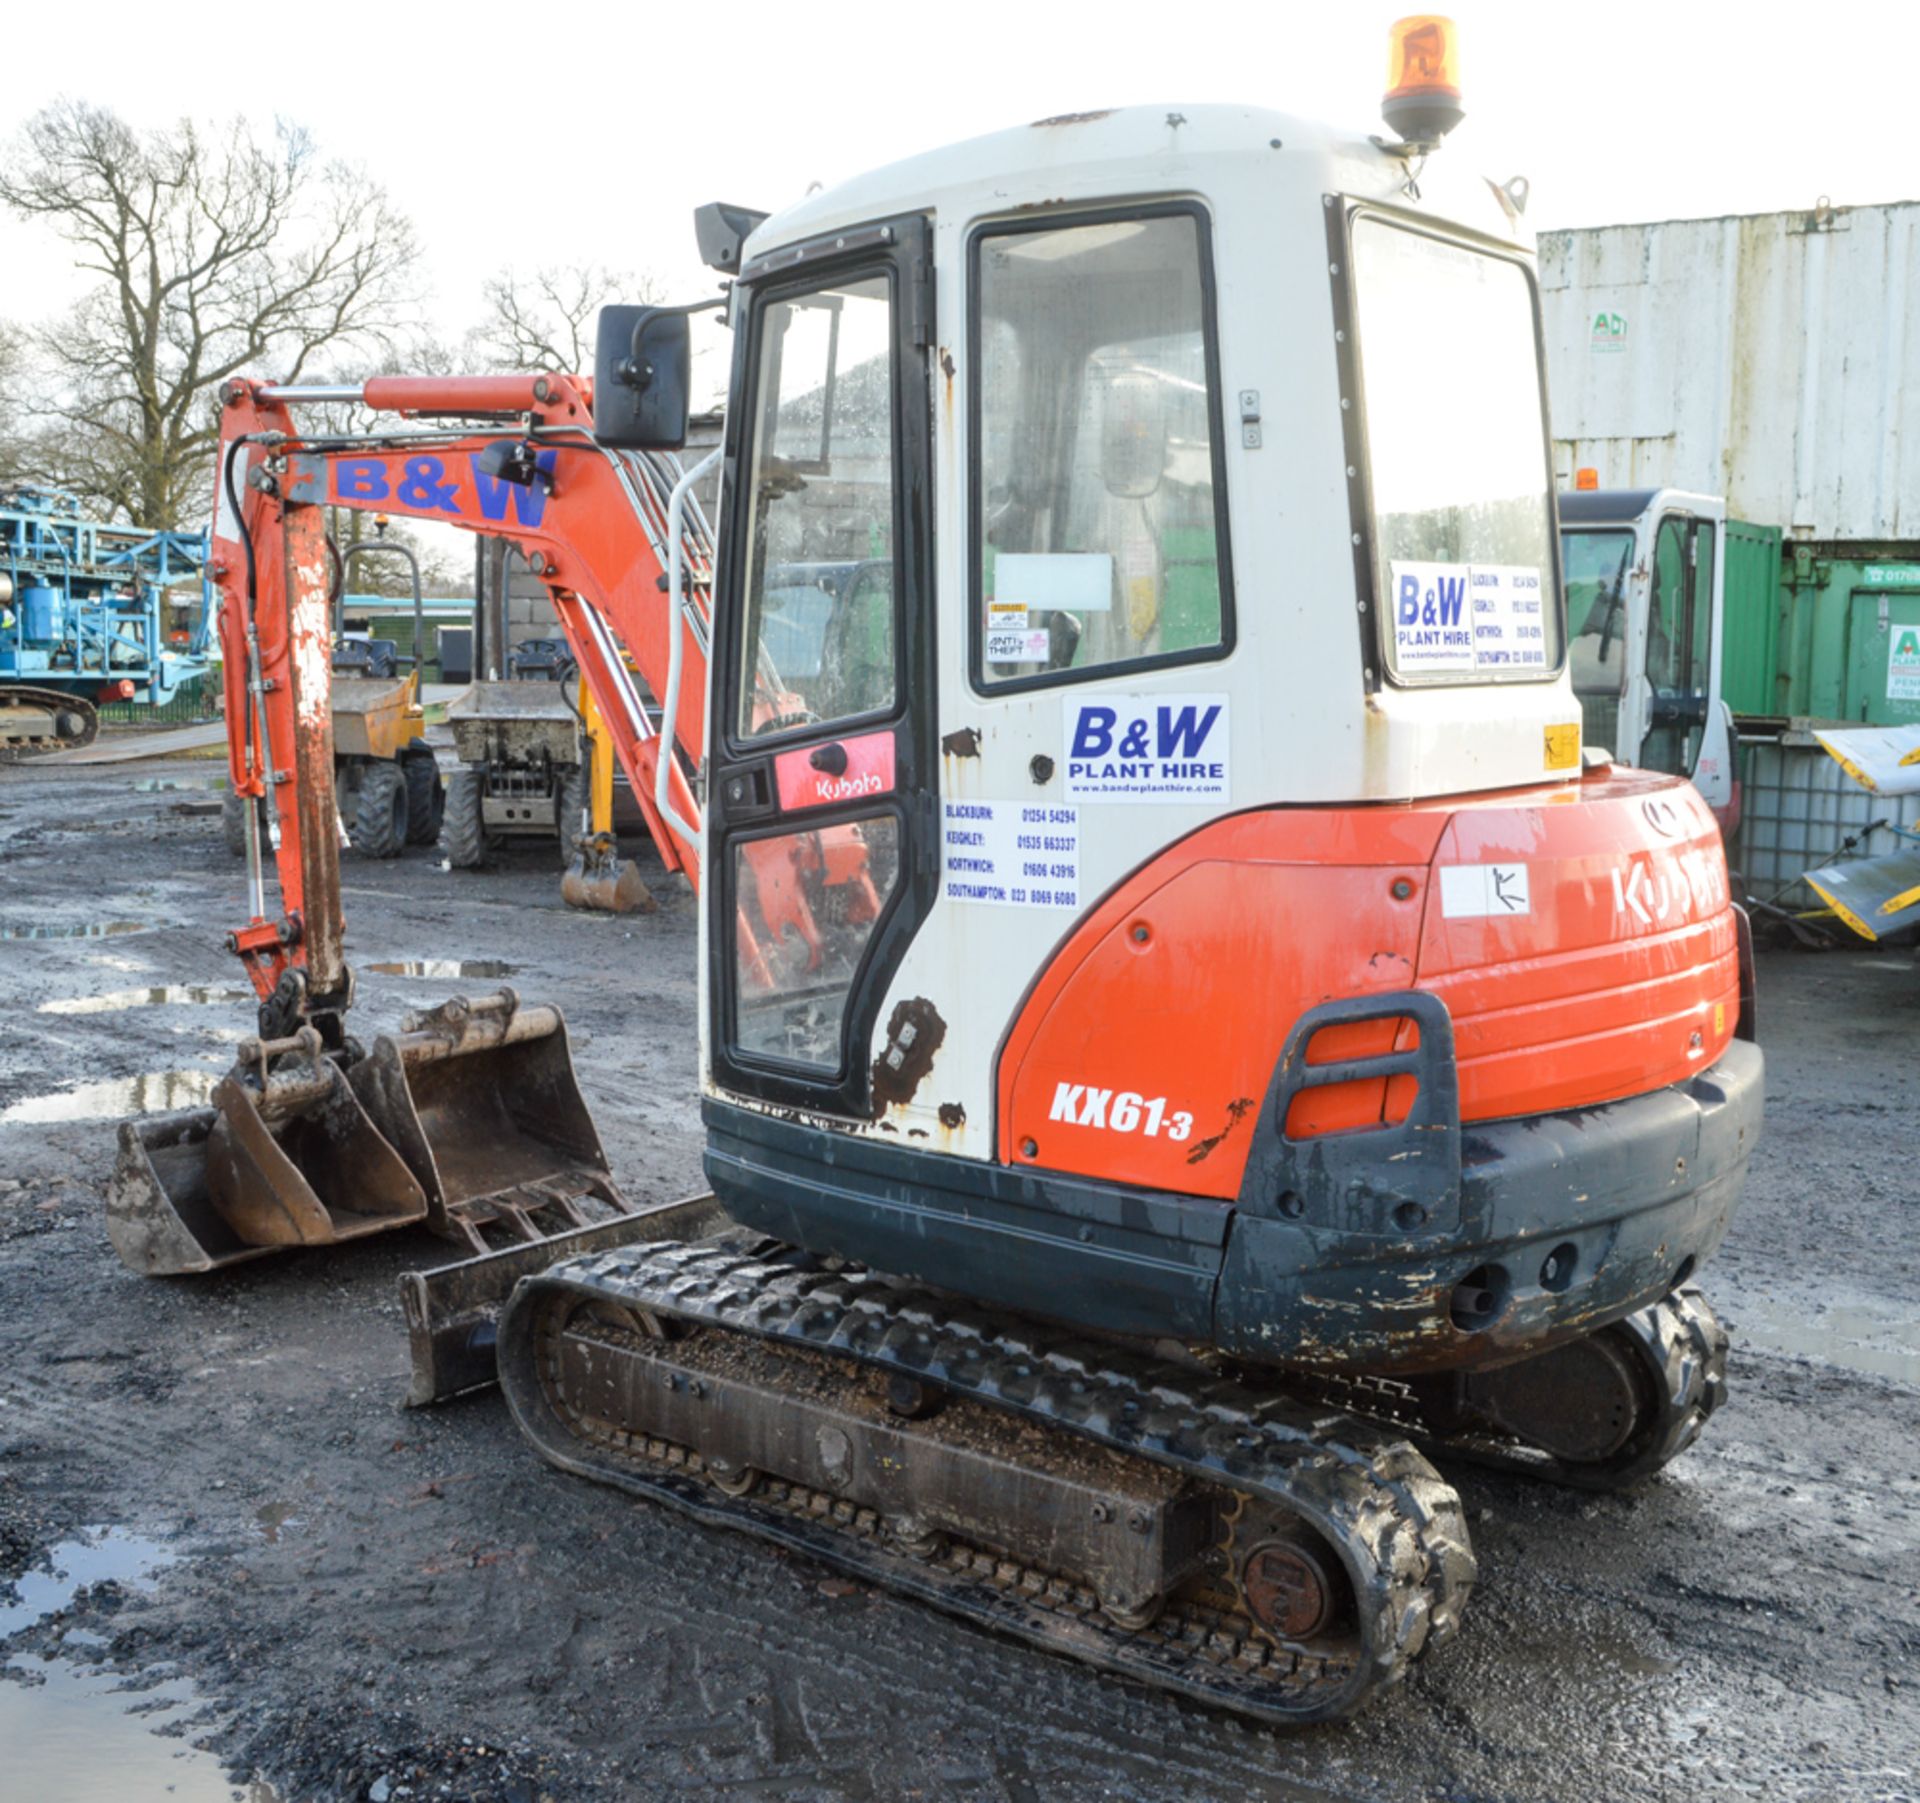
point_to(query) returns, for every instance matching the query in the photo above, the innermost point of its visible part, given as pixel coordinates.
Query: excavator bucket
(286, 1156)
(480, 1100)
(599, 878)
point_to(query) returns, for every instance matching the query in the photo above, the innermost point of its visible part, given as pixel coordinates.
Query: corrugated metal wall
(1774, 359)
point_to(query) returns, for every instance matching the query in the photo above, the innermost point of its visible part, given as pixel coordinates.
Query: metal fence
(191, 704)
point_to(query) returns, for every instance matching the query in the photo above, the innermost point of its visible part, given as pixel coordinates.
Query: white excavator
(1189, 1044)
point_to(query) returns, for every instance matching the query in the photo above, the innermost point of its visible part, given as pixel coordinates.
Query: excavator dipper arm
(590, 522)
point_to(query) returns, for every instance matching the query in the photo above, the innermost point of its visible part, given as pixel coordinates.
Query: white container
(1774, 359)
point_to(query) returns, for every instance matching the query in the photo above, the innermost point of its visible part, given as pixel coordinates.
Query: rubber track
(1398, 1525)
(1682, 1347)
(23, 750)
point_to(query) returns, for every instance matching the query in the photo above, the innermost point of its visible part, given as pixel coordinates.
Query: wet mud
(346, 1601)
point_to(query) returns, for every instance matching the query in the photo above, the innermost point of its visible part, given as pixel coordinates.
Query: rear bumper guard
(1426, 1245)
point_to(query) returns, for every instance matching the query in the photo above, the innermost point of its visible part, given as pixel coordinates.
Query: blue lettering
(1452, 591)
(1409, 600)
(426, 487)
(359, 479)
(1180, 736)
(1093, 733)
(496, 493)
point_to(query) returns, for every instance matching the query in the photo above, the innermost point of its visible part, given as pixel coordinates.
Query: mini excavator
(1189, 1040)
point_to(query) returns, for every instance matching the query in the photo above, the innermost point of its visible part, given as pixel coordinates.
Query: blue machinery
(91, 613)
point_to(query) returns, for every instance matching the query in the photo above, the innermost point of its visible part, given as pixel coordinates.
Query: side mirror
(642, 371)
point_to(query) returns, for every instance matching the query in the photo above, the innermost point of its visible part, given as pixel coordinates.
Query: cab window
(1099, 505)
(819, 638)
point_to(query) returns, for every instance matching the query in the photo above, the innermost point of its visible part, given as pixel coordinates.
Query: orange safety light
(1422, 101)
(1586, 480)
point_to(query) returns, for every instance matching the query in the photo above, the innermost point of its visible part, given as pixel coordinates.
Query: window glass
(819, 584)
(1458, 459)
(1099, 526)
(1678, 640)
(1597, 566)
(807, 904)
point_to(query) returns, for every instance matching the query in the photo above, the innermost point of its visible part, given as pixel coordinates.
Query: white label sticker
(1027, 646)
(1081, 581)
(1011, 854)
(1903, 664)
(1455, 618)
(1509, 624)
(1169, 748)
(1473, 891)
(1006, 616)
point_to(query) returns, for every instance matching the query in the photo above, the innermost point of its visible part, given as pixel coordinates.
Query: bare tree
(16, 453)
(213, 252)
(546, 320)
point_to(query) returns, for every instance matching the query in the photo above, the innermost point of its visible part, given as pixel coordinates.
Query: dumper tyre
(569, 803)
(463, 827)
(426, 795)
(233, 822)
(380, 813)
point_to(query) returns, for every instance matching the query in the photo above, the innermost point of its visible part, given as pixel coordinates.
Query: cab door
(1678, 653)
(821, 805)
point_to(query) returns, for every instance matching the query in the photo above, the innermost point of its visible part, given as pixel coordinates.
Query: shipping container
(1773, 359)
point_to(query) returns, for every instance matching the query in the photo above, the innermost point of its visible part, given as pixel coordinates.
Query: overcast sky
(587, 133)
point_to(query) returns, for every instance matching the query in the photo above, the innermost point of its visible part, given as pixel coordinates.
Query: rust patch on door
(1237, 1111)
(914, 1033)
(952, 1115)
(965, 743)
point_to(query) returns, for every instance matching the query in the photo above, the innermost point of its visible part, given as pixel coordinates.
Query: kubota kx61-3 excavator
(1181, 1019)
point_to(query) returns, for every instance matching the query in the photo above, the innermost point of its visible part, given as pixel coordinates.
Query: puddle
(1858, 1339)
(167, 995)
(443, 967)
(152, 1093)
(94, 1556)
(90, 929)
(275, 1519)
(85, 1735)
(154, 785)
(73, 1734)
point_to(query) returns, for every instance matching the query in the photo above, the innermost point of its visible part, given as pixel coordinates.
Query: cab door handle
(831, 760)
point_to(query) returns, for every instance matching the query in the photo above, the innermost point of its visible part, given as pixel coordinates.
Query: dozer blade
(479, 1098)
(598, 877)
(453, 1312)
(285, 1157)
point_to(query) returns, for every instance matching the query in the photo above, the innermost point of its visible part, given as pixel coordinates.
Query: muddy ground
(369, 1603)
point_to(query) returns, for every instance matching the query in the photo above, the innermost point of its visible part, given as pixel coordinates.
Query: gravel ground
(376, 1604)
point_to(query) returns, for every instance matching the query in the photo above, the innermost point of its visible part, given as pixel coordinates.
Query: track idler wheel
(1600, 1413)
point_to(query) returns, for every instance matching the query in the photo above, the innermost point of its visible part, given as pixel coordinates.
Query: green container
(1844, 646)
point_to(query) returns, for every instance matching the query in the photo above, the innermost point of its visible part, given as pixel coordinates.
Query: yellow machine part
(376, 717)
(599, 764)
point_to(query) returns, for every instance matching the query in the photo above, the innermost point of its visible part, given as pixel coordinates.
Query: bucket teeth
(480, 1098)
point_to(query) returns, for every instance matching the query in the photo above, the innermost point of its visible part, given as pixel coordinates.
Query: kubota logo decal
(1081, 1105)
(1666, 888)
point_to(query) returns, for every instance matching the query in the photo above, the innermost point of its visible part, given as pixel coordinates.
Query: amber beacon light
(1422, 102)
